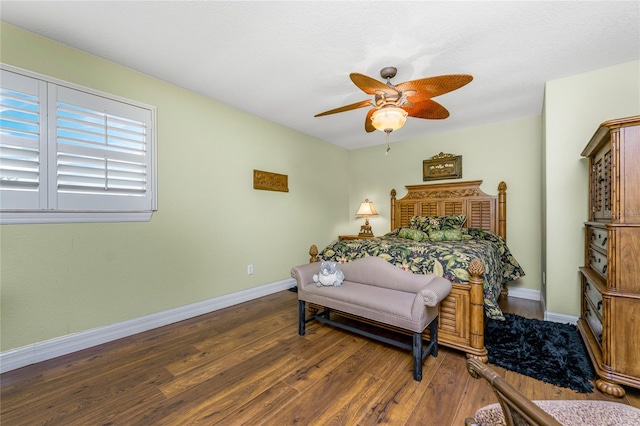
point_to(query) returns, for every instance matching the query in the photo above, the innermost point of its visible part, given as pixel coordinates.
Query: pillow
(412, 234)
(423, 223)
(453, 222)
(446, 235)
(436, 223)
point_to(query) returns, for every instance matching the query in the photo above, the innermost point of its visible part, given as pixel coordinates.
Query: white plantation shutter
(23, 135)
(101, 153)
(67, 151)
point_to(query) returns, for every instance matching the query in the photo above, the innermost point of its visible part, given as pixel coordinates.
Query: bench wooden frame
(418, 350)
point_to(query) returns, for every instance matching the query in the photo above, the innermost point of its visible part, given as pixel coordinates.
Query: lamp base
(365, 231)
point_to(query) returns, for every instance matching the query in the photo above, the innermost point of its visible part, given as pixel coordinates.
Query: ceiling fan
(393, 103)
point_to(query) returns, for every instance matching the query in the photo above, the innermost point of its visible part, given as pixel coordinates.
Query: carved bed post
(502, 210)
(476, 301)
(502, 223)
(392, 213)
(313, 252)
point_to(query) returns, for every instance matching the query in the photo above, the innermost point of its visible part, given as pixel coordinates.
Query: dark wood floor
(247, 365)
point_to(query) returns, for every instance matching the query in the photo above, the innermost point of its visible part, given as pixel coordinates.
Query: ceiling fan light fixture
(388, 119)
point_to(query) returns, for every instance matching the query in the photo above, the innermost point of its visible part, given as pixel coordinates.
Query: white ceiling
(287, 61)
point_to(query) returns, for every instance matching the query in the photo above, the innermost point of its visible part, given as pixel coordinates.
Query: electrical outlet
(249, 269)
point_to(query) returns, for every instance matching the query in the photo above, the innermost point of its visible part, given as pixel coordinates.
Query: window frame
(49, 215)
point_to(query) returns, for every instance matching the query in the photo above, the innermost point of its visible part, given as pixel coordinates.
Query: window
(71, 154)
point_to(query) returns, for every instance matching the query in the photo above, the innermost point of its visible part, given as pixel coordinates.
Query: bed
(478, 261)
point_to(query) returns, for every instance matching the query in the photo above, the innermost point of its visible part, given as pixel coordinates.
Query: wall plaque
(442, 166)
(270, 181)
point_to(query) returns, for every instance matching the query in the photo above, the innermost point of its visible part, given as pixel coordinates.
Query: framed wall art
(270, 181)
(442, 166)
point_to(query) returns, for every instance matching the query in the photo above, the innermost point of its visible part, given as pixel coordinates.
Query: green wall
(574, 108)
(64, 278)
(508, 151)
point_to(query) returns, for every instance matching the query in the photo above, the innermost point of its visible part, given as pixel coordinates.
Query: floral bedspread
(448, 259)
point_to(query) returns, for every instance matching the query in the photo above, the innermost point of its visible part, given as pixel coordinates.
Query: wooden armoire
(610, 307)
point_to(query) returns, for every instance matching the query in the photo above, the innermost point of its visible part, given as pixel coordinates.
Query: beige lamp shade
(366, 209)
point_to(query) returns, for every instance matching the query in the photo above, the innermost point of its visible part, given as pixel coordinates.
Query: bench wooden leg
(417, 357)
(419, 354)
(302, 317)
(433, 333)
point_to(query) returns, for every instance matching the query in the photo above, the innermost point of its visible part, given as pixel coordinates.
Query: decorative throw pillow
(424, 223)
(436, 235)
(453, 222)
(446, 235)
(436, 223)
(412, 234)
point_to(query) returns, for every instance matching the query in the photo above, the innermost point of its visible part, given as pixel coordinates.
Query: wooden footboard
(461, 317)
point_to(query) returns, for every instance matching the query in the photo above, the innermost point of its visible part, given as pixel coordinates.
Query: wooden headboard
(483, 211)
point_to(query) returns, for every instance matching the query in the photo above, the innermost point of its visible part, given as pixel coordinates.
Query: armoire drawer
(597, 237)
(595, 324)
(594, 297)
(598, 262)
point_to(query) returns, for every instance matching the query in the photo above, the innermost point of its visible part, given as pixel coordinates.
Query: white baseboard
(524, 293)
(48, 349)
(563, 318)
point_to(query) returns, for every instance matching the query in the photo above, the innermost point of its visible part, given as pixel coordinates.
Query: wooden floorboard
(246, 364)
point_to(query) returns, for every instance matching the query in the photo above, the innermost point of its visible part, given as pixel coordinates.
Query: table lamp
(366, 209)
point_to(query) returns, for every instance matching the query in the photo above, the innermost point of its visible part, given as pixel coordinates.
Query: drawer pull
(604, 268)
(604, 242)
(599, 305)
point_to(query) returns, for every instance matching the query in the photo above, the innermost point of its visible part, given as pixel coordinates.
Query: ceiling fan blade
(349, 107)
(428, 109)
(370, 85)
(431, 87)
(368, 124)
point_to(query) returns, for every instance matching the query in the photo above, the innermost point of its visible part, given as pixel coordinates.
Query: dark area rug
(545, 350)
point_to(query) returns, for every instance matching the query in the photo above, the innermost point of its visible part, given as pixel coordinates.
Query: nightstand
(352, 237)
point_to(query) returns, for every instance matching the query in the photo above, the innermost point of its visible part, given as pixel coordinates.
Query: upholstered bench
(375, 290)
